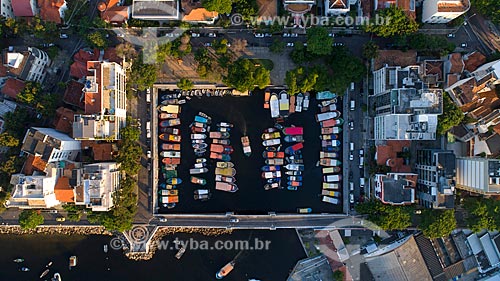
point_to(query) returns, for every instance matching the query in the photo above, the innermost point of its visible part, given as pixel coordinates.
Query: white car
(286, 34)
(121, 35)
(194, 35)
(451, 35)
(163, 220)
(464, 45)
(148, 154)
(305, 44)
(208, 44)
(268, 35)
(331, 35)
(259, 35)
(63, 36)
(351, 198)
(148, 90)
(213, 35)
(289, 44)
(294, 35)
(351, 157)
(351, 125)
(234, 220)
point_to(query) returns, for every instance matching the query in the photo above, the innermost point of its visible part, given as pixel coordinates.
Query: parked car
(63, 36)
(463, 45)
(451, 35)
(212, 35)
(194, 35)
(149, 154)
(259, 35)
(60, 219)
(289, 44)
(294, 35)
(208, 44)
(286, 35)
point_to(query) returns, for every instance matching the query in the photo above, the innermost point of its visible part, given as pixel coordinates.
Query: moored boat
(174, 181)
(224, 165)
(325, 95)
(305, 105)
(268, 168)
(24, 269)
(292, 188)
(172, 108)
(170, 122)
(199, 145)
(196, 171)
(170, 130)
(220, 156)
(225, 179)
(274, 105)
(269, 186)
(271, 142)
(171, 161)
(221, 141)
(292, 104)
(298, 105)
(56, 277)
(225, 270)
(18, 260)
(297, 138)
(199, 181)
(170, 154)
(228, 172)
(294, 148)
(219, 135)
(270, 135)
(293, 131)
(224, 186)
(165, 115)
(198, 136)
(202, 194)
(44, 273)
(247, 149)
(275, 161)
(304, 210)
(271, 175)
(170, 137)
(295, 167)
(225, 125)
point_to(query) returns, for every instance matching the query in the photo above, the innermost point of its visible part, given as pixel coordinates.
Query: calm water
(249, 117)
(93, 264)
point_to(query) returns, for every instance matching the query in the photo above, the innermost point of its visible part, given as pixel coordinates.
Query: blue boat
(270, 168)
(293, 188)
(325, 95)
(200, 119)
(174, 181)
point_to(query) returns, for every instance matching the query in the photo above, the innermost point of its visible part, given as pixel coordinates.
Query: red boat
(171, 161)
(293, 131)
(171, 146)
(273, 154)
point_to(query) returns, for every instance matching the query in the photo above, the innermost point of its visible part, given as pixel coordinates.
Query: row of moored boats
(330, 122)
(282, 104)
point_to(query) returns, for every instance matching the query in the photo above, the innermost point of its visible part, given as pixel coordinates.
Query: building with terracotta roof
(396, 188)
(6, 9)
(99, 151)
(156, 10)
(97, 186)
(105, 103)
(298, 8)
(433, 73)
(25, 63)
(52, 10)
(408, 6)
(74, 94)
(268, 11)
(63, 122)
(443, 11)
(394, 154)
(436, 170)
(64, 191)
(50, 145)
(338, 7)
(473, 61)
(34, 192)
(112, 12)
(12, 87)
(24, 8)
(194, 12)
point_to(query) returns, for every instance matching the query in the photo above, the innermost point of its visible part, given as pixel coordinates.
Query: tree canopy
(386, 217)
(489, 8)
(430, 44)
(277, 46)
(97, 39)
(300, 80)
(396, 23)
(142, 75)
(221, 6)
(483, 213)
(185, 84)
(30, 219)
(244, 75)
(130, 150)
(318, 41)
(438, 223)
(370, 50)
(451, 117)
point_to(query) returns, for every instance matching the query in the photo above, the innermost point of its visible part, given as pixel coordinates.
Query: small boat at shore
(224, 186)
(170, 137)
(225, 270)
(180, 253)
(274, 185)
(305, 104)
(221, 141)
(247, 149)
(274, 105)
(202, 194)
(18, 260)
(170, 122)
(174, 181)
(24, 269)
(198, 171)
(298, 104)
(165, 115)
(228, 172)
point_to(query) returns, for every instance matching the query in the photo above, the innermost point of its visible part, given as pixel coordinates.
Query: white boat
(274, 105)
(197, 171)
(298, 102)
(105, 248)
(271, 142)
(44, 273)
(57, 277)
(330, 200)
(284, 102)
(305, 105)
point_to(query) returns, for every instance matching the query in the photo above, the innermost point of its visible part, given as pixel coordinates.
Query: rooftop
(453, 6)
(408, 6)
(99, 151)
(63, 190)
(411, 101)
(63, 121)
(480, 175)
(389, 153)
(95, 127)
(474, 60)
(338, 4)
(50, 10)
(13, 87)
(155, 9)
(396, 188)
(22, 8)
(395, 58)
(74, 94)
(267, 9)
(113, 13)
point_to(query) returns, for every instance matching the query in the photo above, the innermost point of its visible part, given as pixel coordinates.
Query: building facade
(98, 183)
(6, 9)
(105, 103)
(436, 171)
(478, 175)
(50, 145)
(443, 11)
(26, 63)
(31, 192)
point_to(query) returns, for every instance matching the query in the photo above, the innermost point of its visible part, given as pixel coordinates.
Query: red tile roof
(22, 8)
(402, 4)
(111, 56)
(117, 15)
(49, 10)
(457, 64)
(474, 60)
(12, 87)
(395, 58)
(74, 95)
(100, 151)
(93, 100)
(64, 192)
(33, 163)
(64, 120)
(387, 155)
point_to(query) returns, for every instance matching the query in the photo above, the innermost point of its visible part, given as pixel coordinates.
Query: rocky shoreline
(164, 231)
(64, 230)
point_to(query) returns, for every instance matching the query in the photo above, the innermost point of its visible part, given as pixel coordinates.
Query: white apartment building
(478, 175)
(98, 183)
(50, 145)
(26, 63)
(105, 103)
(33, 192)
(155, 10)
(443, 11)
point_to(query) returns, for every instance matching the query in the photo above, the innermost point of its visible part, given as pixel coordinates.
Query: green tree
(30, 219)
(489, 8)
(8, 140)
(142, 75)
(437, 223)
(126, 51)
(97, 39)
(483, 213)
(277, 46)
(244, 75)
(74, 212)
(318, 41)
(397, 23)
(185, 84)
(300, 80)
(430, 44)
(15, 120)
(121, 217)
(370, 50)
(220, 46)
(46, 104)
(451, 117)
(299, 54)
(338, 275)
(221, 6)
(247, 8)
(386, 217)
